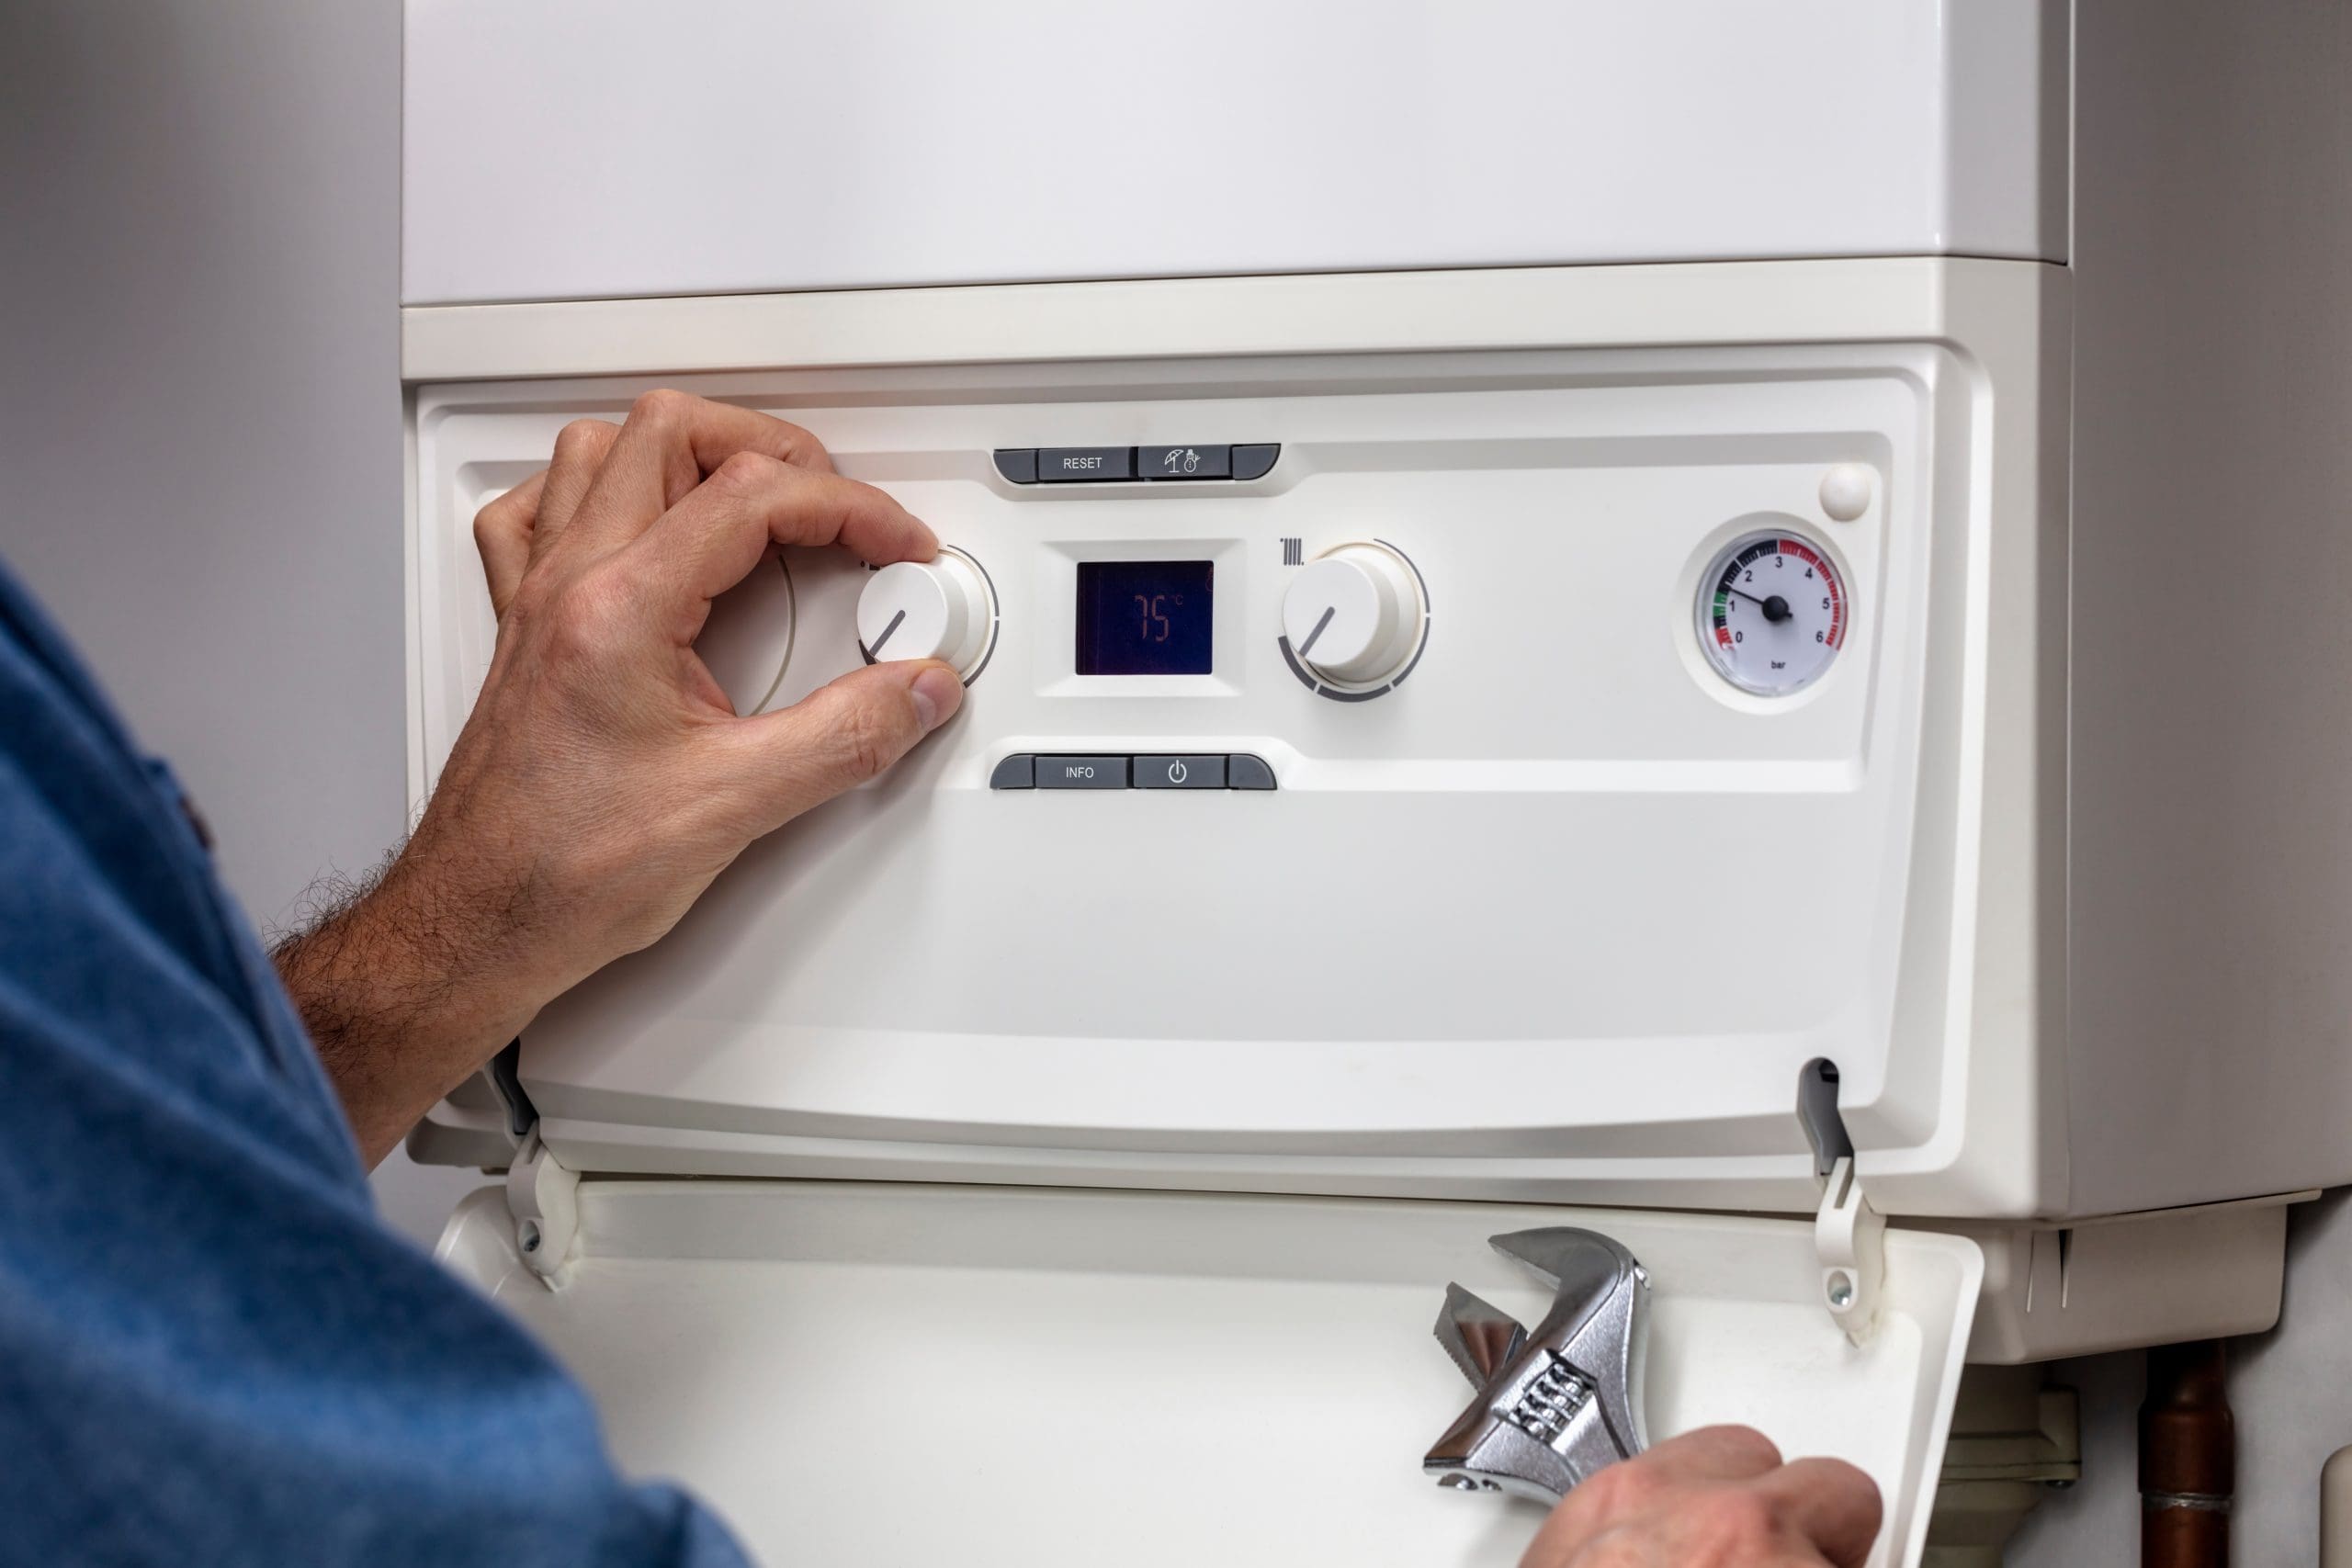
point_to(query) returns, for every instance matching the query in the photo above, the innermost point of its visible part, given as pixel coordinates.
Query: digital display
(1145, 617)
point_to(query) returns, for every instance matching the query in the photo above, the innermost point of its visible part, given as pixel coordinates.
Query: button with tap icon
(1184, 462)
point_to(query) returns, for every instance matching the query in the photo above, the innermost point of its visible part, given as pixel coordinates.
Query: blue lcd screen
(1145, 617)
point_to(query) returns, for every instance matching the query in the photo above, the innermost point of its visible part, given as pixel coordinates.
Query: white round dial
(942, 608)
(1354, 616)
(1772, 613)
(747, 641)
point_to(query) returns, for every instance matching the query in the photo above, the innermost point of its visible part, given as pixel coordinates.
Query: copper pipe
(2188, 1457)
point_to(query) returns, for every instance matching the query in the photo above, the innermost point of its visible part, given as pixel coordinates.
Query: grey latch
(543, 1196)
(1848, 1235)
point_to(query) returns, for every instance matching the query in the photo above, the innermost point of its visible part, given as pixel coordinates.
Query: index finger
(711, 540)
(504, 529)
(670, 441)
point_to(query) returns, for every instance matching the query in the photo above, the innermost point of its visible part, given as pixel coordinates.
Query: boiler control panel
(1384, 758)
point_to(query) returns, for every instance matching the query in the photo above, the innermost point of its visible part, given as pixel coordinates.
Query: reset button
(1082, 465)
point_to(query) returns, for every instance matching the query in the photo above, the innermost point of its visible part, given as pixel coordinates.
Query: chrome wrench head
(1558, 1404)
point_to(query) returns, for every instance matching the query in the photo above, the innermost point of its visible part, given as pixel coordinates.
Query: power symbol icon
(1178, 772)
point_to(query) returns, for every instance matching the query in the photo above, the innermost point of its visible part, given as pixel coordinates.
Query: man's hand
(601, 781)
(1718, 1497)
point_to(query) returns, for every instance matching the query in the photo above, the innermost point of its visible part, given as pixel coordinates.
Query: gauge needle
(1776, 609)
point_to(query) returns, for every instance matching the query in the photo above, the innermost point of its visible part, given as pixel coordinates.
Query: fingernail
(937, 694)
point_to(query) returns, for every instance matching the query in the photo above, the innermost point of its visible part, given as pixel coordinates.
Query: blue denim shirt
(211, 1349)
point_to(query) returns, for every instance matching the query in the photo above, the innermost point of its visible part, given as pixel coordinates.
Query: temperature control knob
(943, 608)
(1354, 617)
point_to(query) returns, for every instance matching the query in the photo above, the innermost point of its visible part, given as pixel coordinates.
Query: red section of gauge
(1805, 553)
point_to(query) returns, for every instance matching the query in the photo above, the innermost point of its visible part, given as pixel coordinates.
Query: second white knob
(1353, 615)
(940, 609)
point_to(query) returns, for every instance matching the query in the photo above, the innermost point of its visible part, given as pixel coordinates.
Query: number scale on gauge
(1771, 614)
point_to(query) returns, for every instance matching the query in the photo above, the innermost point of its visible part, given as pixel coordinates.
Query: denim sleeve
(211, 1352)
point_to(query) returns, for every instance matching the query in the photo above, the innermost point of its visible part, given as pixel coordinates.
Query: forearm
(406, 989)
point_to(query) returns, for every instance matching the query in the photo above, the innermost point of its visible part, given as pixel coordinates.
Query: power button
(1180, 773)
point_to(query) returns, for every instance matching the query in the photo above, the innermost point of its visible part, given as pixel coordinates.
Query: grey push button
(1081, 465)
(1243, 770)
(1016, 771)
(1081, 772)
(1255, 462)
(1180, 773)
(1018, 464)
(1184, 462)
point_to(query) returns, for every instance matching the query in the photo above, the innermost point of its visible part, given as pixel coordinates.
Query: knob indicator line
(1308, 646)
(876, 650)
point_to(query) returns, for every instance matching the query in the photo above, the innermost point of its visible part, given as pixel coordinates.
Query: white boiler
(1541, 652)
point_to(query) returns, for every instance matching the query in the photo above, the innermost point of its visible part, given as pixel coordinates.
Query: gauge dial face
(1772, 613)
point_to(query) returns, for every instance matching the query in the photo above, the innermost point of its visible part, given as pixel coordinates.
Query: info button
(1180, 773)
(1081, 772)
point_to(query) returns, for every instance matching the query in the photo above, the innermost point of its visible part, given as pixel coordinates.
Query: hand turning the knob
(941, 609)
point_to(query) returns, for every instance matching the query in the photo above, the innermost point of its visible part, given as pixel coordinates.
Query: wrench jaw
(1480, 1337)
(1563, 1402)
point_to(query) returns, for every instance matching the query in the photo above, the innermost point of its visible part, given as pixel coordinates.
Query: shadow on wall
(200, 411)
(201, 436)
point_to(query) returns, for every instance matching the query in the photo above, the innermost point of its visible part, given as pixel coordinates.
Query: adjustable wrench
(1557, 1404)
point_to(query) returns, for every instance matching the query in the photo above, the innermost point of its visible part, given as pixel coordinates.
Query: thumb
(843, 734)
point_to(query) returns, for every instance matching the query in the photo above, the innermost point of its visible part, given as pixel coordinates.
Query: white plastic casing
(552, 150)
(1491, 937)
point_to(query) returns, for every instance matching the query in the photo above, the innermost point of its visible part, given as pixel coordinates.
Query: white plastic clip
(543, 1197)
(1849, 1237)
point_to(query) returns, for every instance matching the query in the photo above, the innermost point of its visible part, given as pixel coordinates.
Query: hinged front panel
(902, 1373)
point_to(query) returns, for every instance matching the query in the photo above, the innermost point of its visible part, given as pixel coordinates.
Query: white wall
(2214, 361)
(200, 408)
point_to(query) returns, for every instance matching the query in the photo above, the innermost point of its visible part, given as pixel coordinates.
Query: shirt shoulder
(116, 942)
(210, 1350)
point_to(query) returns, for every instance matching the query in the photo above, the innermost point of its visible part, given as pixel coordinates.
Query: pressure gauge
(1772, 613)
